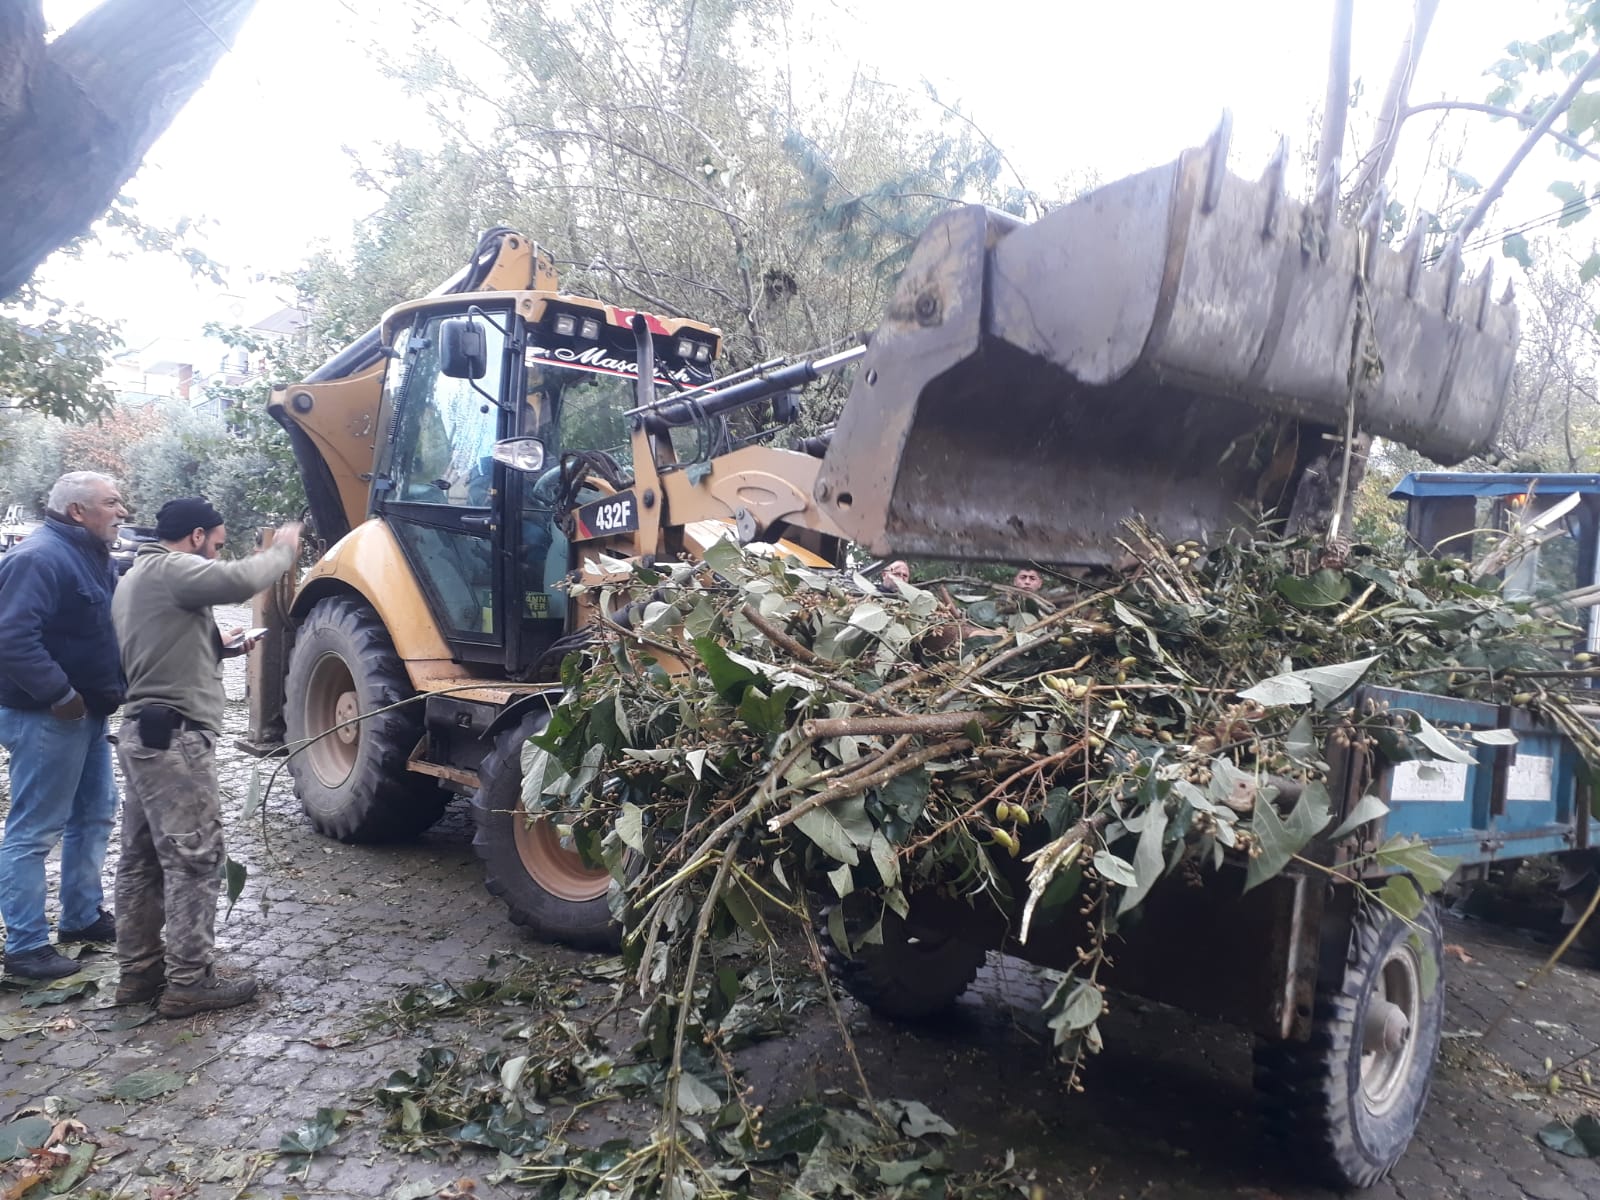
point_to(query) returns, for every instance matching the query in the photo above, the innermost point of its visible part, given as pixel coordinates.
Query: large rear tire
(1345, 1103)
(353, 783)
(544, 883)
(917, 972)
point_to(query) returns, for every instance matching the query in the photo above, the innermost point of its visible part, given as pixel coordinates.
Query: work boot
(42, 962)
(102, 929)
(210, 994)
(141, 987)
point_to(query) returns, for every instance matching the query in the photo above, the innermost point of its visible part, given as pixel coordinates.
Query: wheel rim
(553, 862)
(1388, 1044)
(331, 700)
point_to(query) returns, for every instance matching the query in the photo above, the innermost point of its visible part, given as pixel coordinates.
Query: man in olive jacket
(172, 855)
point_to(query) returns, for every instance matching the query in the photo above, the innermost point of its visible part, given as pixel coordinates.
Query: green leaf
(695, 1097)
(1148, 860)
(870, 616)
(236, 873)
(1324, 589)
(1300, 742)
(630, 827)
(1400, 895)
(1494, 737)
(766, 714)
(1413, 856)
(146, 1085)
(1590, 268)
(1563, 1139)
(19, 1137)
(723, 556)
(1437, 744)
(1115, 870)
(1280, 839)
(1082, 1008)
(80, 1158)
(1515, 246)
(1574, 200)
(316, 1134)
(823, 828)
(1368, 808)
(1322, 684)
(1583, 114)
(728, 677)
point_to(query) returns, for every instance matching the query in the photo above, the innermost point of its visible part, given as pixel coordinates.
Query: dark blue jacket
(55, 621)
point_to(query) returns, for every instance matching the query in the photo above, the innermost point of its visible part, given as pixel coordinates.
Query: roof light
(702, 352)
(685, 348)
(565, 324)
(590, 330)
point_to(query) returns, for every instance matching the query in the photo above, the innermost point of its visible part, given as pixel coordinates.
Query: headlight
(565, 324)
(590, 330)
(685, 348)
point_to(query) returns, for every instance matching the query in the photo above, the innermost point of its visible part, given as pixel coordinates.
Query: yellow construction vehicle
(1182, 344)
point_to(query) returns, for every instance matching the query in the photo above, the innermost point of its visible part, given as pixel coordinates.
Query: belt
(181, 725)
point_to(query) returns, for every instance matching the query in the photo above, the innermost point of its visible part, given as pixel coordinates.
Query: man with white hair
(60, 678)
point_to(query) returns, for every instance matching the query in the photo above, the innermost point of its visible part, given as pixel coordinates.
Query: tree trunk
(78, 115)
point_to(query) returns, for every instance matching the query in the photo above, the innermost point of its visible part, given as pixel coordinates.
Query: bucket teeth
(1485, 284)
(1326, 202)
(1272, 179)
(1412, 249)
(1450, 265)
(1217, 168)
(1372, 226)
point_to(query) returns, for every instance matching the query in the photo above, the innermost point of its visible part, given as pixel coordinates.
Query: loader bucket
(1176, 345)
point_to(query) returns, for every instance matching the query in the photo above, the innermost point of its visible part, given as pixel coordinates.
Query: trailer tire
(545, 885)
(353, 784)
(1345, 1103)
(914, 974)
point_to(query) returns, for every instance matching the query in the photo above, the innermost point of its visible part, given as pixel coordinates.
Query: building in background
(189, 371)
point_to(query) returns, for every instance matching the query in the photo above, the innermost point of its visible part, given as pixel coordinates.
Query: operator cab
(490, 412)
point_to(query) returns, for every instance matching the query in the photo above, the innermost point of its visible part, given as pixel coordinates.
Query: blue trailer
(1345, 996)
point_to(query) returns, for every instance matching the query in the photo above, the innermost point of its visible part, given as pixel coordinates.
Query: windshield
(583, 410)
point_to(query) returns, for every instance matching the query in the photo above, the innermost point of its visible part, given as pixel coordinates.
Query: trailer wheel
(1346, 1102)
(353, 783)
(917, 972)
(544, 882)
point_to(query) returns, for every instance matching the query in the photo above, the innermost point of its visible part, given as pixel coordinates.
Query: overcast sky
(1062, 85)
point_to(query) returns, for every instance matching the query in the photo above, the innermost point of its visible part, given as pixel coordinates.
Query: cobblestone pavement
(335, 930)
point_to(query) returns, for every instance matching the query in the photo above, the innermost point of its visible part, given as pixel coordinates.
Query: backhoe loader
(1182, 344)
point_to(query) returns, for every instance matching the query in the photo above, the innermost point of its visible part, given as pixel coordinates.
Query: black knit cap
(181, 517)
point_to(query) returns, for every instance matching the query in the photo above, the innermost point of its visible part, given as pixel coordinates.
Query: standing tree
(78, 114)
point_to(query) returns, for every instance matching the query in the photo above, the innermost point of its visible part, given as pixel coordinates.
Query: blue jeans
(61, 790)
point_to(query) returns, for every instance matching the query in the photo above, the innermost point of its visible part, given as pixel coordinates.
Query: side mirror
(463, 350)
(520, 454)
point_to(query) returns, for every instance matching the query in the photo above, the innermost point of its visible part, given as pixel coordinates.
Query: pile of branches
(753, 739)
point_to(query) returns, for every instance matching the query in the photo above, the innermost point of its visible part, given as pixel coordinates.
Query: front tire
(1346, 1102)
(544, 883)
(353, 783)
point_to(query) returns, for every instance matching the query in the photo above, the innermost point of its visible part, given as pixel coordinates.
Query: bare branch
(1526, 120)
(1540, 128)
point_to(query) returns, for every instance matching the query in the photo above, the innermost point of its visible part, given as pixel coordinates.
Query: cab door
(437, 481)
